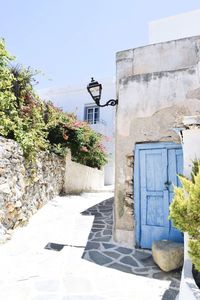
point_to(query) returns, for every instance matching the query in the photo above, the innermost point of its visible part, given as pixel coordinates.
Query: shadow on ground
(102, 250)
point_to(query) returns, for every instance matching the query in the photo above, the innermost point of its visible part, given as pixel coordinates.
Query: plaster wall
(168, 56)
(151, 104)
(175, 27)
(79, 178)
(191, 148)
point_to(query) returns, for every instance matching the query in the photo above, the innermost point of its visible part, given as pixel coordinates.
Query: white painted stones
(168, 255)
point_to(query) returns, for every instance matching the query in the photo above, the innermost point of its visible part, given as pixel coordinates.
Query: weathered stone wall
(22, 190)
(156, 86)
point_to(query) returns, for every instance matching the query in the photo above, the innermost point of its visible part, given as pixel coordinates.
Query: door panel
(154, 222)
(155, 209)
(157, 174)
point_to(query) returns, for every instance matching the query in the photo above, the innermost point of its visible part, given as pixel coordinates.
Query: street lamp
(94, 89)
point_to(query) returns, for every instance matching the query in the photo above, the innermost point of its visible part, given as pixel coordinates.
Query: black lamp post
(94, 88)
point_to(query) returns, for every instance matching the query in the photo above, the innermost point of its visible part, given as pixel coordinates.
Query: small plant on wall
(185, 212)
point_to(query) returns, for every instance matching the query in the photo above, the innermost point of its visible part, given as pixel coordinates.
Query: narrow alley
(66, 252)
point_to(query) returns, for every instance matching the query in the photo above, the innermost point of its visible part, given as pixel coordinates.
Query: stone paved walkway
(101, 250)
(29, 270)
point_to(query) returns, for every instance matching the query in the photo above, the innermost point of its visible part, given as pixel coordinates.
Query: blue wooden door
(156, 169)
(175, 166)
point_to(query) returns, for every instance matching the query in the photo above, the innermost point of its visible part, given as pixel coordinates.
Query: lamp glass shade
(95, 91)
(94, 88)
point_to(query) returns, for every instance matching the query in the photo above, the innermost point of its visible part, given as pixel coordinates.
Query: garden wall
(24, 188)
(79, 178)
(22, 191)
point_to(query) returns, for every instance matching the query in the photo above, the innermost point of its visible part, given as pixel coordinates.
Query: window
(92, 114)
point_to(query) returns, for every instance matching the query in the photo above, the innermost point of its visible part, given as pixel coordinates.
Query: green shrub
(8, 110)
(185, 211)
(37, 125)
(66, 131)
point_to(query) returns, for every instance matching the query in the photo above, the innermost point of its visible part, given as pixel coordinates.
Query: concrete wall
(79, 178)
(175, 27)
(156, 86)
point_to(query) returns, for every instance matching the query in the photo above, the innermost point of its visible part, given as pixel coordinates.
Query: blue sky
(71, 40)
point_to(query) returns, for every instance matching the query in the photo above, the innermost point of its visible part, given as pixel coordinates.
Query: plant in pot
(185, 214)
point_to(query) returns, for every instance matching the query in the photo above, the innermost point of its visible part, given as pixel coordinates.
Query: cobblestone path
(102, 250)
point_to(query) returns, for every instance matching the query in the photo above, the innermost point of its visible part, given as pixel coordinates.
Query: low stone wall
(22, 190)
(79, 178)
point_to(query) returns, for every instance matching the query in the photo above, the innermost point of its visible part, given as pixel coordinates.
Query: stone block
(5, 188)
(168, 255)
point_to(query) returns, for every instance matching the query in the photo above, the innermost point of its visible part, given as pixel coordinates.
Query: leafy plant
(185, 211)
(37, 125)
(8, 110)
(85, 144)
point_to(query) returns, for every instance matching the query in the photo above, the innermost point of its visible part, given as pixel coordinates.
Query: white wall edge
(188, 288)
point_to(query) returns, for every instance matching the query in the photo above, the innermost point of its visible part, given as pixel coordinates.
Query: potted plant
(185, 214)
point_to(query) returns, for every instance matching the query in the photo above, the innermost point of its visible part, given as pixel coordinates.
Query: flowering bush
(37, 125)
(85, 144)
(20, 109)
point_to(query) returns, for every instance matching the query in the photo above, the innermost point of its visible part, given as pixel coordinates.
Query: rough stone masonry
(25, 188)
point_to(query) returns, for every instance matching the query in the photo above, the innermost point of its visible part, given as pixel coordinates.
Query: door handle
(167, 185)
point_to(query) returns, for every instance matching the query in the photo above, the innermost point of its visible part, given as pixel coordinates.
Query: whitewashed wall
(175, 27)
(80, 178)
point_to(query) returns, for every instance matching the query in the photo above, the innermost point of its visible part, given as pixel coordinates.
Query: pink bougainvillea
(83, 149)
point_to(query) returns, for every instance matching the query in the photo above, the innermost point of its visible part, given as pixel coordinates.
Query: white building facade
(76, 99)
(175, 27)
